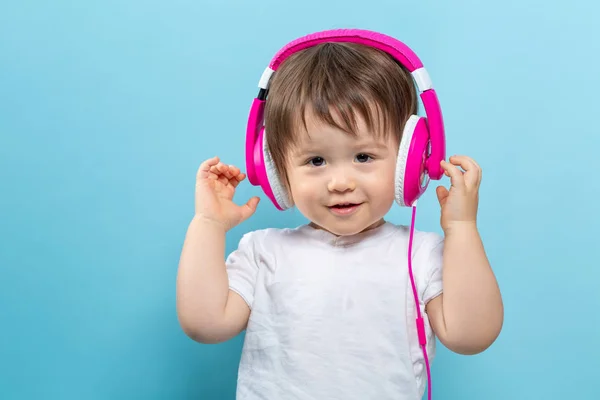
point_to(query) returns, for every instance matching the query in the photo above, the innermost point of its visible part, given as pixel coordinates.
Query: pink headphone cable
(420, 322)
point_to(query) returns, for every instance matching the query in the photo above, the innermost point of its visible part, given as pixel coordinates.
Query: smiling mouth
(342, 209)
(345, 205)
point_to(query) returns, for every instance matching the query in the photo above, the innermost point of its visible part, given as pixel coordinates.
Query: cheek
(302, 188)
(382, 184)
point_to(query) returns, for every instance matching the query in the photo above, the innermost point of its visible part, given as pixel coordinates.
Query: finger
(206, 164)
(236, 180)
(465, 162)
(206, 167)
(218, 172)
(227, 175)
(214, 172)
(472, 169)
(442, 194)
(224, 169)
(461, 161)
(479, 170)
(456, 175)
(249, 208)
(234, 170)
(474, 162)
(241, 176)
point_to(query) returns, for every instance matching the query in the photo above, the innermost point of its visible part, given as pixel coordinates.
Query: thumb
(249, 208)
(442, 194)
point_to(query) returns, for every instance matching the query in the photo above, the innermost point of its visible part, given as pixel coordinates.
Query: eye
(363, 158)
(316, 161)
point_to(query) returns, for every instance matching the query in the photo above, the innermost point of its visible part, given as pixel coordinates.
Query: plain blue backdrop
(107, 109)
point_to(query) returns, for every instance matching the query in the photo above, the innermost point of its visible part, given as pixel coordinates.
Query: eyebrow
(374, 145)
(303, 152)
(300, 152)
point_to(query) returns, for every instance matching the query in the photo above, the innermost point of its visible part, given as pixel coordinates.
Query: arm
(468, 316)
(207, 310)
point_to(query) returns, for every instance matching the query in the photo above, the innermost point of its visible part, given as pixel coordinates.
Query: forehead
(315, 132)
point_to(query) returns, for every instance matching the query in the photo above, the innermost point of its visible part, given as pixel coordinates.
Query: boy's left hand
(459, 204)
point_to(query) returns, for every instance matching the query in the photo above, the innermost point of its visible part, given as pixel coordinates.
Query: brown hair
(340, 79)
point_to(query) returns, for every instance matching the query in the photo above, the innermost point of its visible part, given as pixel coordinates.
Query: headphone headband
(388, 44)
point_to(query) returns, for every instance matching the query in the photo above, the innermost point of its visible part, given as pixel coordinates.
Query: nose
(341, 183)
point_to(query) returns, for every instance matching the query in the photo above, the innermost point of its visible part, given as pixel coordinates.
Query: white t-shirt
(333, 318)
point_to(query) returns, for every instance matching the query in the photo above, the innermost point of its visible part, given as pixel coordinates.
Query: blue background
(107, 109)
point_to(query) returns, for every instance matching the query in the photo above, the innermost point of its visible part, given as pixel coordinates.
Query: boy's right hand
(215, 186)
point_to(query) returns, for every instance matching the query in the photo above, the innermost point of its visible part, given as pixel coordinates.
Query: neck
(368, 228)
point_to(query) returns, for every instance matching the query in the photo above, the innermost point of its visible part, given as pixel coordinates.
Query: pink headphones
(423, 143)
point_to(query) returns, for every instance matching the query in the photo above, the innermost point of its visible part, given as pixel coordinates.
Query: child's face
(329, 167)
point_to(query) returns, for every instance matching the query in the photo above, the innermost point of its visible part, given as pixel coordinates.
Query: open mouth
(344, 205)
(344, 208)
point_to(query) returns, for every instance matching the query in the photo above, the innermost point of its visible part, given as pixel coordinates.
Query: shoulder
(267, 247)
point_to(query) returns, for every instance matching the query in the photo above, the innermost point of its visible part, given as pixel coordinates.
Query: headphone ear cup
(411, 177)
(267, 176)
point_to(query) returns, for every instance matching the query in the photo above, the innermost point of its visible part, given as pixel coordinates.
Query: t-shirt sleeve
(429, 274)
(242, 268)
